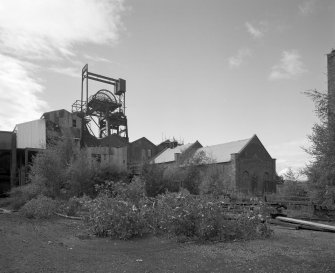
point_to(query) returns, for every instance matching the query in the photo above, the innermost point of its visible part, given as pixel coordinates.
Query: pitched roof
(142, 138)
(168, 154)
(221, 152)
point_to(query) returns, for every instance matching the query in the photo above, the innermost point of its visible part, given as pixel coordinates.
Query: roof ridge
(246, 139)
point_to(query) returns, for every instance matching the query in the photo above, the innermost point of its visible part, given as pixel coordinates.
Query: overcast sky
(212, 71)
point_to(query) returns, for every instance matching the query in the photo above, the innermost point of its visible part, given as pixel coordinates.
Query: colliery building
(243, 165)
(98, 122)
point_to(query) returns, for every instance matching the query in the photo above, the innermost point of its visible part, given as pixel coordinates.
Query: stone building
(139, 152)
(243, 165)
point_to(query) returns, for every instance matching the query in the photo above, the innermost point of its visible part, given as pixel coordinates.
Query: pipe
(306, 223)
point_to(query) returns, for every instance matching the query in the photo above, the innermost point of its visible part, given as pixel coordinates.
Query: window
(143, 153)
(245, 181)
(149, 153)
(74, 123)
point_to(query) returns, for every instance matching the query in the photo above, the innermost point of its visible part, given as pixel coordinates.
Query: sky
(213, 71)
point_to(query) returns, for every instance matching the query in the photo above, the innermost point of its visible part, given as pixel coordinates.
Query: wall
(225, 171)
(255, 170)
(31, 134)
(67, 123)
(139, 152)
(5, 140)
(114, 157)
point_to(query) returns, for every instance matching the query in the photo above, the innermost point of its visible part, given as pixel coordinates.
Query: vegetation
(118, 212)
(186, 202)
(41, 207)
(321, 171)
(292, 187)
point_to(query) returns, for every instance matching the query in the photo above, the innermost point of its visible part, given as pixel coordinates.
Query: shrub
(155, 182)
(133, 191)
(204, 218)
(73, 206)
(107, 172)
(115, 218)
(211, 182)
(49, 167)
(80, 174)
(20, 195)
(39, 207)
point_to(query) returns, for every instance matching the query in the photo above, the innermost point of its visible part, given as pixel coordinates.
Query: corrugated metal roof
(221, 152)
(168, 154)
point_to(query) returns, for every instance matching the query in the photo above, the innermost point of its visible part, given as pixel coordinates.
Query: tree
(321, 170)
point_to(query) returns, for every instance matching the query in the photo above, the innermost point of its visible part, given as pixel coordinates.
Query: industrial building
(98, 122)
(243, 165)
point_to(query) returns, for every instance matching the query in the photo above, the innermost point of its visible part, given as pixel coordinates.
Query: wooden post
(13, 162)
(25, 165)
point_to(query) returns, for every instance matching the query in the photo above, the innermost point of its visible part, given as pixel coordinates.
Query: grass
(60, 245)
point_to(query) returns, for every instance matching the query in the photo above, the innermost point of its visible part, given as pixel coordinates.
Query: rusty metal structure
(103, 113)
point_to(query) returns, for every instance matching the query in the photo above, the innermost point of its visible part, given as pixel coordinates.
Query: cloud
(290, 65)
(306, 8)
(43, 35)
(19, 93)
(237, 60)
(69, 71)
(256, 32)
(49, 28)
(99, 59)
(290, 154)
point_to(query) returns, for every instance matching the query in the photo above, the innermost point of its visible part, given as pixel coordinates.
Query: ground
(62, 245)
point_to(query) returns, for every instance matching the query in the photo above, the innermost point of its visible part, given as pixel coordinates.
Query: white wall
(31, 134)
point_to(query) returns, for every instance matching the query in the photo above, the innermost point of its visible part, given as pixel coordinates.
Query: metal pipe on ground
(308, 224)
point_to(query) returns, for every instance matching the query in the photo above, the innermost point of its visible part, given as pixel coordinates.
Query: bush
(80, 175)
(21, 195)
(156, 183)
(204, 218)
(133, 191)
(39, 207)
(73, 206)
(116, 218)
(50, 165)
(211, 182)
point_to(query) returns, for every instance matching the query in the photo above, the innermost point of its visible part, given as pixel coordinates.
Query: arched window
(266, 182)
(245, 180)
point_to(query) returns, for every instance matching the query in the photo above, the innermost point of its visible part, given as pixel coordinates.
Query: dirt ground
(62, 245)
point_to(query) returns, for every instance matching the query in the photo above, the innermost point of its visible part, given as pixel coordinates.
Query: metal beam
(96, 79)
(100, 76)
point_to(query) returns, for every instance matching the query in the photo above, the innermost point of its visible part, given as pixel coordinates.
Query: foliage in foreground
(321, 171)
(205, 218)
(41, 207)
(21, 195)
(179, 215)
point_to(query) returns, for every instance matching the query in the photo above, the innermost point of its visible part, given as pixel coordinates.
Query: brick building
(243, 165)
(139, 152)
